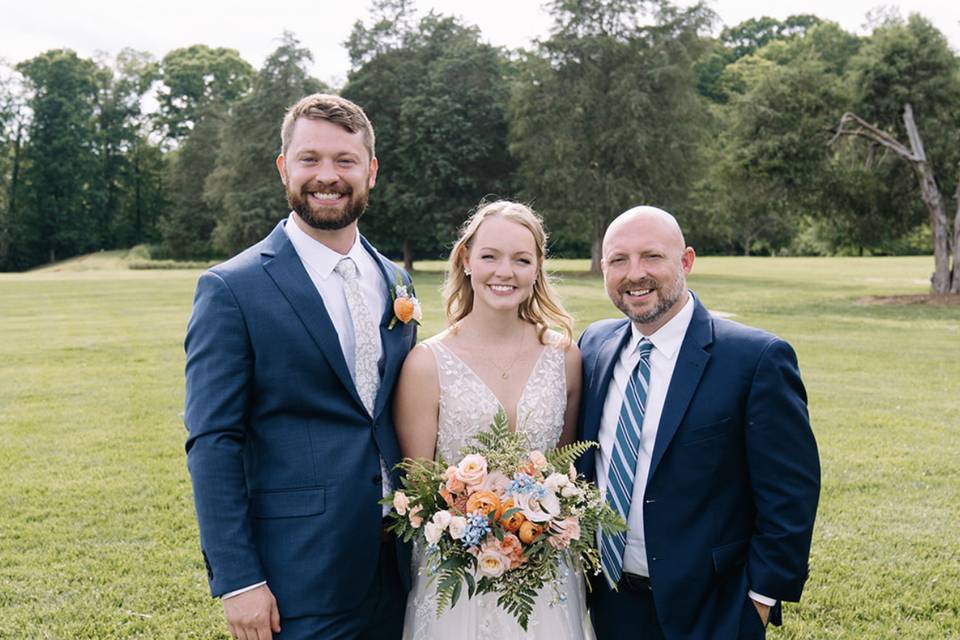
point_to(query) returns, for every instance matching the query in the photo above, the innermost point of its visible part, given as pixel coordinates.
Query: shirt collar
(668, 338)
(322, 259)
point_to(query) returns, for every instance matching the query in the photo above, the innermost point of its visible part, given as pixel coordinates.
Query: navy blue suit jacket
(285, 460)
(734, 477)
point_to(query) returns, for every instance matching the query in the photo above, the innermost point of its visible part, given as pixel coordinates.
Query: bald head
(651, 218)
(645, 266)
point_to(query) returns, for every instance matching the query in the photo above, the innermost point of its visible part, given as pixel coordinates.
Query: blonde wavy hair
(543, 308)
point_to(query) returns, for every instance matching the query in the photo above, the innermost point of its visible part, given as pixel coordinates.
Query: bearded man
(292, 356)
(705, 450)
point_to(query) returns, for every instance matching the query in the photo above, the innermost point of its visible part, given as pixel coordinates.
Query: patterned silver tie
(365, 374)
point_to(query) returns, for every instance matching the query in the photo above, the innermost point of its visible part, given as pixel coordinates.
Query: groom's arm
(784, 471)
(219, 375)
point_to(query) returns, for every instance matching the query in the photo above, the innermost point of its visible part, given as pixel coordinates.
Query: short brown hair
(324, 106)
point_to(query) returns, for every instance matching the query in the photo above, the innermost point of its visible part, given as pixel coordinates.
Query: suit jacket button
(377, 479)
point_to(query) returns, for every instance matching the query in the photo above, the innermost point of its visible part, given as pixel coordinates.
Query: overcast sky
(29, 27)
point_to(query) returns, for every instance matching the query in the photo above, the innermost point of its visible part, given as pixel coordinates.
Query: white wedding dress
(467, 406)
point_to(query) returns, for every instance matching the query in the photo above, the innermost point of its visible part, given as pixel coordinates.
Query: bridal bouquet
(503, 519)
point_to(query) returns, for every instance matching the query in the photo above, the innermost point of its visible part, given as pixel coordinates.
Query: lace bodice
(467, 405)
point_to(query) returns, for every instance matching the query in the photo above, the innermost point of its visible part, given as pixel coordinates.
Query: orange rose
(529, 532)
(484, 502)
(513, 521)
(403, 308)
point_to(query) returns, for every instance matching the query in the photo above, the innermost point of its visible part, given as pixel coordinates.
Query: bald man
(705, 448)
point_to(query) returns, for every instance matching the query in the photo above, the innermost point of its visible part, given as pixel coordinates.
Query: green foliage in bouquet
(504, 520)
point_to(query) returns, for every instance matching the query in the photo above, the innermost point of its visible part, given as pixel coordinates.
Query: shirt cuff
(250, 588)
(761, 599)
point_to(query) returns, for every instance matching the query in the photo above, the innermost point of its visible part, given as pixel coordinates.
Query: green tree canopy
(605, 115)
(438, 103)
(245, 184)
(195, 77)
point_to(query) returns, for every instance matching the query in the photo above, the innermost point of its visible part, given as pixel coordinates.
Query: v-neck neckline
(523, 394)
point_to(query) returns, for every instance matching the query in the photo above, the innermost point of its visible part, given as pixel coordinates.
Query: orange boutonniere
(406, 307)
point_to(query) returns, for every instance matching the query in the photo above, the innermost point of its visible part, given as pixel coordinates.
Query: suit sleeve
(219, 374)
(784, 469)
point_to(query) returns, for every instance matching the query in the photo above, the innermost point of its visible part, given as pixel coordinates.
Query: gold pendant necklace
(505, 371)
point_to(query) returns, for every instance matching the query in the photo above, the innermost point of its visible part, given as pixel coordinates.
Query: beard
(667, 296)
(328, 218)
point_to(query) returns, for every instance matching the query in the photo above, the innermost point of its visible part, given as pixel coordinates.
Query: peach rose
(401, 502)
(415, 519)
(529, 532)
(484, 502)
(572, 473)
(472, 470)
(455, 485)
(538, 460)
(512, 550)
(564, 531)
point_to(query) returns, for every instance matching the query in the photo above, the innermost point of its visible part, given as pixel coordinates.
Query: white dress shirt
(663, 358)
(320, 261)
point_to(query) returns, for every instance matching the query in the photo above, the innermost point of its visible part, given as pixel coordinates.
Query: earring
(467, 272)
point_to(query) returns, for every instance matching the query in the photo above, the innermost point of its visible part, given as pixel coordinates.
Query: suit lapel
(604, 362)
(283, 265)
(691, 362)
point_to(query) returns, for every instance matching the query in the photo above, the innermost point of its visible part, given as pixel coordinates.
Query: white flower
(555, 482)
(458, 526)
(539, 510)
(491, 563)
(432, 531)
(442, 519)
(571, 491)
(496, 482)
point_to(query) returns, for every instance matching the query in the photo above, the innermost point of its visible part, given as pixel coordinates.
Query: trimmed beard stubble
(351, 212)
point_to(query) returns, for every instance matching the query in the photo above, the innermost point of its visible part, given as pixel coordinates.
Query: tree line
(742, 134)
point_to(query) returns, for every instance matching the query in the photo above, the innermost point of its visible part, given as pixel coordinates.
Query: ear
(282, 169)
(374, 166)
(687, 258)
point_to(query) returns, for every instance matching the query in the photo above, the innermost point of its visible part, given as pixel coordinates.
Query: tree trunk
(596, 246)
(955, 275)
(408, 255)
(940, 281)
(930, 193)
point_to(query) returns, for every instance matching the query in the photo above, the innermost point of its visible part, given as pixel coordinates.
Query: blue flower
(477, 529)
(523, 484)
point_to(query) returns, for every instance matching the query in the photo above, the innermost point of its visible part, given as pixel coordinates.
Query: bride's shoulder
(552, 338)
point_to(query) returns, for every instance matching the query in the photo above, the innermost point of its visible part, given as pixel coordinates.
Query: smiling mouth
(326, 197)
(502, 288)
(638, 292)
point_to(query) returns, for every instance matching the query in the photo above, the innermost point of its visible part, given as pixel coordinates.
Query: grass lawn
(97, 533)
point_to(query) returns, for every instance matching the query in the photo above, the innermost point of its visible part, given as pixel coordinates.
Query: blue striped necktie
(623, 461)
